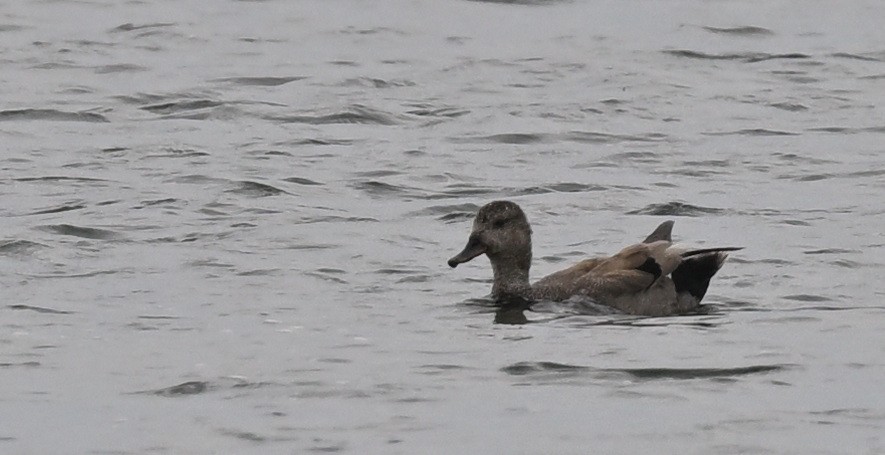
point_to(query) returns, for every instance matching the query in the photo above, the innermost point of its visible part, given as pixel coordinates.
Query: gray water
(225, 225)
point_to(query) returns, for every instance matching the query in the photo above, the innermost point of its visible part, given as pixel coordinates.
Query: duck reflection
(513, 311)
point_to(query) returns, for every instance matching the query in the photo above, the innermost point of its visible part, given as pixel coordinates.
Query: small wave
(56, 66)
(571, 187)
(314, 141)
(185, 388)
(848, 130)
(256, 189)
(79, 231)
(198, 179)
(805, 177)
(676, 209)
(377, 173)
(376, 188)
(170, 152)
(16, 247)
(59, 209)
(394, 271)
(19, 364)
(561, 369)
(747, 57)
(454, 212)
(504, 138)
(119, 68)
(607, 138)
(698, 373)
(52, 115)
(11, 28)
(167, 202)
(635, 156)
(524, 368)
(586, 137)
(337, 219)
(796, 158)
(868, 57)
(869, 173)
(77, 275)
(430, 111)
(301, 181)
(746, 30)
(180, 106)
(261, 272)
(752, 132)
(326, 276)
(39, 309)
(792, 107)
(128, 27)
(377, 83)
(58, 178)
(261, 81)
(456, 217)
(355, 114)
(831, 251)
(807, 298)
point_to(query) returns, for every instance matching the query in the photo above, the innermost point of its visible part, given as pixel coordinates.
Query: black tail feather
(696, 269)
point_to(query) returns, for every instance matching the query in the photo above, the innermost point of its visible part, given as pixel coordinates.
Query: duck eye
(499, 224)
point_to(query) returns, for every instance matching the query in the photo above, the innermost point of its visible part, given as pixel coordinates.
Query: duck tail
(693, 274)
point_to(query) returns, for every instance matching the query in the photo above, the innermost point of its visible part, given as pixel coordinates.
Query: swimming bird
(652, 278)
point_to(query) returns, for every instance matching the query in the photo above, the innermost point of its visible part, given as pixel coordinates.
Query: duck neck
(511, 275)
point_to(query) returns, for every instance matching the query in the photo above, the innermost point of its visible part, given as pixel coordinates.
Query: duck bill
(473, 249)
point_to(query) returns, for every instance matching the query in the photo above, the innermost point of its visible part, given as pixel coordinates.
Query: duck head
(500, 230)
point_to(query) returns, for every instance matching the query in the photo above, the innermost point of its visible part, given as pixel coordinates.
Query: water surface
(225, 225)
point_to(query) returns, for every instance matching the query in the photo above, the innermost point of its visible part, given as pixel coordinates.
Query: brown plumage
(652, 278)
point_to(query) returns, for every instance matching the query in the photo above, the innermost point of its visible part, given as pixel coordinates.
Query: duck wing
(564, 283)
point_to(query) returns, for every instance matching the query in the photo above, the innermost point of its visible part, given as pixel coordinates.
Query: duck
(651, 278)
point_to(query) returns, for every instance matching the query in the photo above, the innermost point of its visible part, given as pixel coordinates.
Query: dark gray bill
(473, 249)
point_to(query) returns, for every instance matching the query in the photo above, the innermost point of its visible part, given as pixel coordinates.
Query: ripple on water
(183, 389)
(746, 57)
(751, 132)
(38, 309)
(129, 26)
(301, 181)
(353, 114)
(19, 247)
(584, 137)
(60, 178)
(58, 209)
(552, 370)
(80, 231)
(831, 251)
(256, 189)
(676, 209)
(260, 81)
(746, 30)
(807, 298)
(449, 213)
(179, 106)
(51, 115)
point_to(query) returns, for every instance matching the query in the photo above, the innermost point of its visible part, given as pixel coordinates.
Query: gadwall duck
(652, 278)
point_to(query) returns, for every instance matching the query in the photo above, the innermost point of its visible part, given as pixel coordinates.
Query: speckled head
(501, 231)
